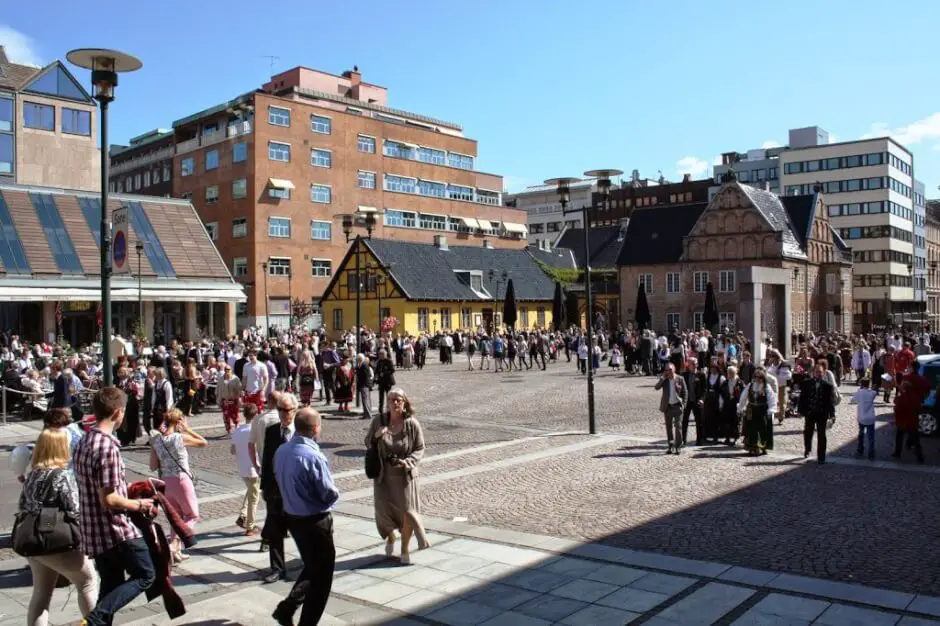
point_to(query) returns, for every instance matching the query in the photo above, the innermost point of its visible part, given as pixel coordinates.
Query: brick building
(145, 166)
(932, 230)
(270, 170)
(676, 251)
(639, 193)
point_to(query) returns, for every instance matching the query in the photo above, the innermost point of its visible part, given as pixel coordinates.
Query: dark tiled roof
(13, 75)
(655, 234)
(560, 258)
(425, 272)
(177, 228)
(605, 243)
(802, 212)
(772, 209)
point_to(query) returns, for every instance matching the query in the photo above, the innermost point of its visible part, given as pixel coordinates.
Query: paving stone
(420, 602)
(502, 596)
(791, 606)
(585, 590)
(929, 605)
(495, 571)
(511, 618)
(748, 576)
(464, 613)
(753, 618)
(633, 600)
(353, 581)
(460, 584)
(567, 566)
(382, 592)
(460, 564)
(917, 621)
(705, 606)
(551, 608)
(662, 583)
(421, 577)
(595, 615)
(844, 615)
(537, 580)
(616, 574)
(843, 591)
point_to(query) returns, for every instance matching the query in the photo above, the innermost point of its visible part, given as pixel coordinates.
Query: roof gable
(605, 243)
(655, 235)
(802, 211)
(55, 80)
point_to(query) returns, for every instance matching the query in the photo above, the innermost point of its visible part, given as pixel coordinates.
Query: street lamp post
(379, 281)
(842, 304)
(140, 292)
(348, 221)
(564, 194)
(290, 302)
(105, 66)
(494, 277)
(267, 325)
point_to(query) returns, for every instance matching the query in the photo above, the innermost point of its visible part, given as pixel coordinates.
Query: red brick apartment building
(269, 171)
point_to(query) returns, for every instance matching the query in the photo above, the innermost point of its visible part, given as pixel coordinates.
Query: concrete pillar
(229, 328)
(189, 322)
(749, 309)
(211, 319)
(787, 317)
(147, 319)
(48, 322)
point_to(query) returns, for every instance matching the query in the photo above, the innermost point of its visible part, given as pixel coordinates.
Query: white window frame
(830, 319)
(698, 320)
(156, 176)
(313, 124)
(272, 144)
(281, 193)
(136, 182)
(673, 282)
(314, 152)
(696, 283)
(244, 181)
(278, 111)
(166, 173)
(277, 217)
(212, 194)
(317, 186)
(645, 279)
(727, 319)
(360, 178)
(320, 274)
(673, 320)
(359, 145)
(206, 160)
(424, 318)
(212, 229)
(147, 178)
(725, 277)
(329, 228)
(830, 283)
(338, 319)
(280, 268)
(432, 221)
(240, 266)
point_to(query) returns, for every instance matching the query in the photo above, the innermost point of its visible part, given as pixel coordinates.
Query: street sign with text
(119, 264)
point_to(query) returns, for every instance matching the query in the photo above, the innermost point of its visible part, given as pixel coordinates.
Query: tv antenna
(272, 59)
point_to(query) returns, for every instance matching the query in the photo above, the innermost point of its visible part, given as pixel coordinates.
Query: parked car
(928, 366)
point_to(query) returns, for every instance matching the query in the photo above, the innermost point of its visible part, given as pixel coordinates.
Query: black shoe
(275, 576)
(806, 453)
(669, 451)
(678, 450)
(283, 615)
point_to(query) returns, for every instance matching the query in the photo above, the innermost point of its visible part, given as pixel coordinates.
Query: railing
(235, 129)
(239, 128)
(187, 146)
(136, 163)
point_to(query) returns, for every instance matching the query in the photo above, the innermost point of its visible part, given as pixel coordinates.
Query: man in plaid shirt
(108, 535)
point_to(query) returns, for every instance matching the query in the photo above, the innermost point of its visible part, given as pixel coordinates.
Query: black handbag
(373, 464)
(51, 531)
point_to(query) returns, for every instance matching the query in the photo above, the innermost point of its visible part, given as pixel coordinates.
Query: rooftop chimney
(686, 178)
(440, 242)
(488, 244)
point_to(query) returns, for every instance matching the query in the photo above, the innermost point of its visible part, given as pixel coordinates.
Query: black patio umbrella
(558, 308)
(642, 311)
(509, 306)
(572, 318)
(710, 315)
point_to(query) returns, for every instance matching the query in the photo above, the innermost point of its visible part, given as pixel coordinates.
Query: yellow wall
(407, 314)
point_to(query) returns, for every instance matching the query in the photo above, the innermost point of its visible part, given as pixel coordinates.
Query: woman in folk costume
(730, 394)
(711, 409)
(756, 405)
(345, 381)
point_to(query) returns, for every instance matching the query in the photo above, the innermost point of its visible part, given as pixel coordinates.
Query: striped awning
(470, 222)
(512, 227)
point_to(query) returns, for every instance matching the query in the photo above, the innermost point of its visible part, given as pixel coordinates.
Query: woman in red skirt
(306, 377)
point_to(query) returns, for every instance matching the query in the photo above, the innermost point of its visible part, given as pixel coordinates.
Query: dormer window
(474, 280)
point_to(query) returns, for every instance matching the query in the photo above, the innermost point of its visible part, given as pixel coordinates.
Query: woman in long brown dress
(400, 442)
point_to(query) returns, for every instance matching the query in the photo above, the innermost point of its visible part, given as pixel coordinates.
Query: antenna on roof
(272, 59)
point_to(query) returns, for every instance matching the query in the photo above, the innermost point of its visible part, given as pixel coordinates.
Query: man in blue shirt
(309, 495)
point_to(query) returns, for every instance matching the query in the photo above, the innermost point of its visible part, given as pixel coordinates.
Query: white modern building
(544, 217)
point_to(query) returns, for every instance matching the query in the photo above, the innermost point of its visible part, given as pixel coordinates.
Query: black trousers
(274, 531)
(815, 422)
(913, 441)
(329, 375)
(695, 410)
(314, 538)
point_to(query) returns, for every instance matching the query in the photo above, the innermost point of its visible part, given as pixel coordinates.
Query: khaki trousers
(46, 571)
(250, 502)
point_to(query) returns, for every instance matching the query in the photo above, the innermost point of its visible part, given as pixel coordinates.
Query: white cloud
(515, 184)
(914, 133)
(19, 47)
(692, 165)
(770, 143)
(717, 160)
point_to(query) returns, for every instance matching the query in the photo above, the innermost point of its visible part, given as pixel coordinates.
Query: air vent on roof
(487, 244)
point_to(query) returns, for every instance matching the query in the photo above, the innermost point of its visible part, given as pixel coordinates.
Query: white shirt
(258, 426)
(865, 399)
(702, 344)
(254, 375)
(241, 437)
(673, 396)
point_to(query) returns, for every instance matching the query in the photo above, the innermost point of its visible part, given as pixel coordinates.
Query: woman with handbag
(51, 486)
(169, 454)
(395, 443)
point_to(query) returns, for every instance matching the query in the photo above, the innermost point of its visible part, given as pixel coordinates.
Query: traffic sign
(119, 264)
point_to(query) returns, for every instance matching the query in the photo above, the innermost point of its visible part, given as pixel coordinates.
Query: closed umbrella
(710, 315)
(642, 315)
(571, 310)
(558, 308)
(509, 306)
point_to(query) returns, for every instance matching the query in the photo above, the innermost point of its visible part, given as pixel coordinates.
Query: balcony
(139, 162)
(239, 128)
(235, 129)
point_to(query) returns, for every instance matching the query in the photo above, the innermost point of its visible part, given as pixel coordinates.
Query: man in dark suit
(275, 524)
(816, 405)
(695, 383)
(673, 400)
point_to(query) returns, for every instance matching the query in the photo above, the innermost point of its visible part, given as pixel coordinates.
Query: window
(41, 116)
(399, 183)
(75, 122)
(445, 318)
(321, 268)
(430, 155)
(673, 320)
(433, 222)
(147, 178)
(166, 173)
(239, 188)
(321, 124)
(137, 182)
(466, 318)
(394, 217)
(212, 160)
(321, 158)
(186, 166)
(487, 197)
(726, 320)
(431, 188)
(239, 227)
(830, 283)
(523, 317)
(278, 266)
(700, 281)
(212, 194)
(463, 161)
(6, 114)
(279, 227)
(278, 116)
(239, 152)
(155, 176)
(320, 193)
(646, 280)
(830, 320)
(540, 317)
(673, 283)
(278, 151)
(321, 230)
(212, 228)
(240, 266)
(366, 144)
(366, 180)
(726, 281)
(281, 193)
(422, 318)
(337, 319)
(458, 192)
(398, 150)
(697, 318)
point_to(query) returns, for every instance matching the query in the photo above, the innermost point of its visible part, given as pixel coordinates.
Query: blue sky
(548, 88)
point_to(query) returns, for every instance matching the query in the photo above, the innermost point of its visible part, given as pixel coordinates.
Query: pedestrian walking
(249, 470)
(275, 524)
(816, 405)
(674, 396)
(865, 414)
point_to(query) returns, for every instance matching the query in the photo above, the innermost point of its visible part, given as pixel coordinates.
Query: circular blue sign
(120, 248)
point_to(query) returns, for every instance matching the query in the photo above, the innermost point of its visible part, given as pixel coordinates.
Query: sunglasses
(285, 408)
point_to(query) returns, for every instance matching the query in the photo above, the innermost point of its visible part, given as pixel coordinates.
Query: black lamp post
(842, 303)
(290, 302)
(267, 325)
(140, 292)
(379, 281)
(105, 66)
(564, 194)
(348, 222)
(494, 277)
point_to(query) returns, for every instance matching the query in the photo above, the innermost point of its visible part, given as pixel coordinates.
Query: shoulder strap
(179, 465)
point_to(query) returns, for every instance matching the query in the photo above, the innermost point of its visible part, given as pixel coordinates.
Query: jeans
(866, 433)
(130, 556)
(314, 538)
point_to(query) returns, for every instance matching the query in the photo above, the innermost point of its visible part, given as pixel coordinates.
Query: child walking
(865, 399)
